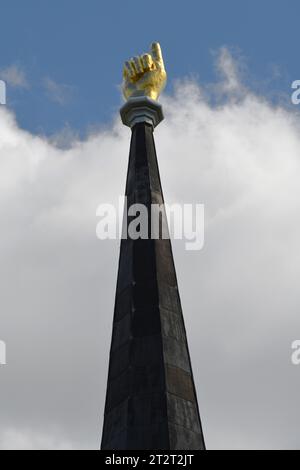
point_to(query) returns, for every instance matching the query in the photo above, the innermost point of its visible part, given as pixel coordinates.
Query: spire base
(141, 109)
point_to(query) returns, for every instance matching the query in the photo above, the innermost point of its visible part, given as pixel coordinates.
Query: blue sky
(75, 50)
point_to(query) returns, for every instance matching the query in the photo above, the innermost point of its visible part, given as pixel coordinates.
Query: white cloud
(229, 68)
(58, 92)
(14, 76)
(240, 294)
(13, 439)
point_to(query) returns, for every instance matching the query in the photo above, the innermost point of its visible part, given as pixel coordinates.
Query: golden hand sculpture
(145, 75)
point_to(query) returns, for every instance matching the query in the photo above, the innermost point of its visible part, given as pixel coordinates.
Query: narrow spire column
(151, 400)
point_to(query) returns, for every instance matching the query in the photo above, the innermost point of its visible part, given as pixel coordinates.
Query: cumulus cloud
(14, 76)
(12, 439)
(240, 294)
(230, 70)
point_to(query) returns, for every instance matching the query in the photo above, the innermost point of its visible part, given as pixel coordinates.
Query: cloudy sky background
(231, 142)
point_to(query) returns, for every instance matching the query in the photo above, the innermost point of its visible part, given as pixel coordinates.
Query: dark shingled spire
(151, 400)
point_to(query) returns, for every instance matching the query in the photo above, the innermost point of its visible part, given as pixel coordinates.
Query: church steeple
(151, 399)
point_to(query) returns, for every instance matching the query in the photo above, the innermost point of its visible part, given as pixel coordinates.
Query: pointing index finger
(156, 52)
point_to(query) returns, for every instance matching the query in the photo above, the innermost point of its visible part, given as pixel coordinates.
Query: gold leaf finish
(145, 75)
